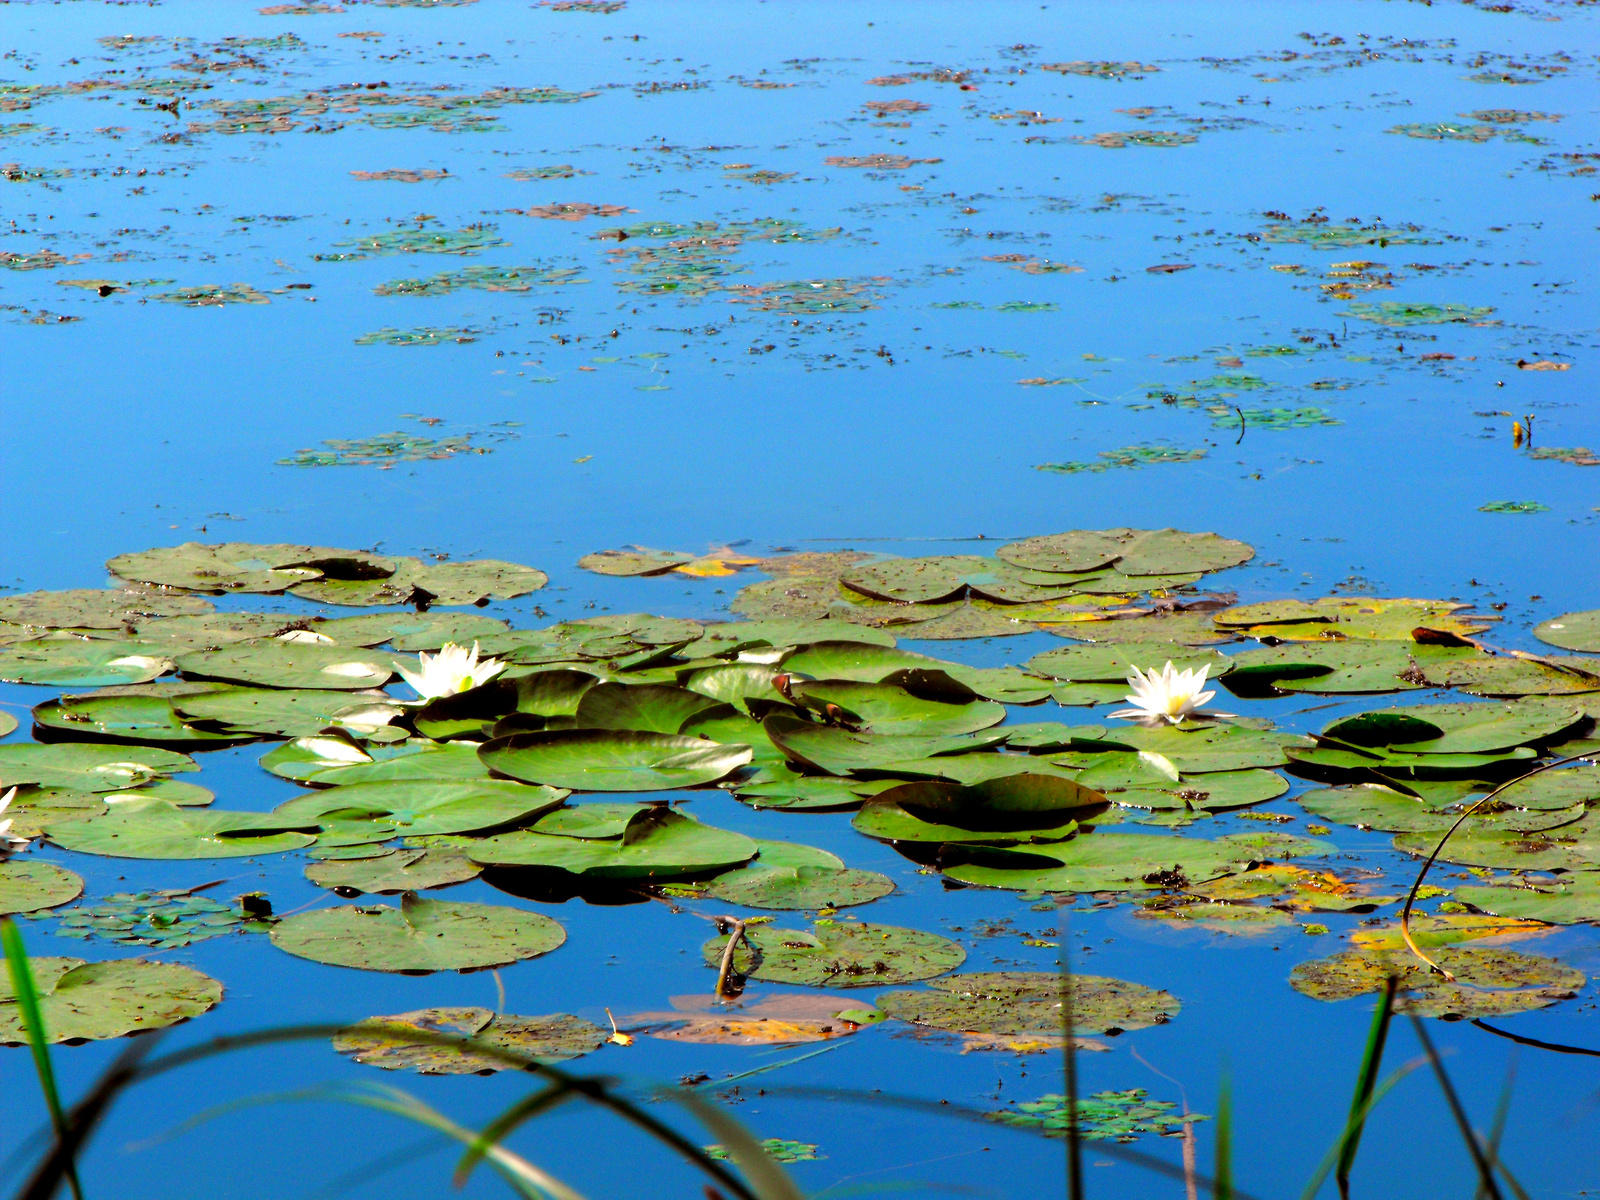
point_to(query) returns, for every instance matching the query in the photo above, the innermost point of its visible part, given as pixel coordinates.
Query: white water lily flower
(452, 670)
(7, 842)
(1167, 695)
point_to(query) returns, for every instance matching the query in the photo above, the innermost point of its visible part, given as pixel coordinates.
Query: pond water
(489, 280)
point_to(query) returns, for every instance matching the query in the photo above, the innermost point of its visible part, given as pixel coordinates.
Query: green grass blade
(492, 1133)
(1366, 1078)
(1222, 1172)
(768, 1179)
(27, 993)
(1325, 1167)
(1486, 1178)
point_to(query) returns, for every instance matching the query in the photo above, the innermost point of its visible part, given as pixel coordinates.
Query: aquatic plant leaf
(92, 608)
(1120, 1115)
(1003, 796)
(1195, 748)
(141, 719)
(786, 876)
(409, 630)
(780, 786)
(418, 936)
(270, 662)
(1175, 628)
(1463, 727)
(891, 822)
(883, 708)
(32, 808)
(778, 1149)
(1481, 675)
(1572, 631)
(598, 820)
(1490, 982)
(1333, 618)
(611, 760)
(284, 712)
(840, 751)
(1574, 846)
(1113, 663)
(771, 1020)
(65, 660)
(154, 828)
(86, 767)
(1030, 1002)
(167, 919)
(1570, 900)
(399, 871)
(382, 1041)
(336, 760)
(1404, 313)
(244, 566)
(653, 708)
(28, 886)
(839, 954)
(656, 843)
(96, 1001)
(1214, 791)
(424, 806)
(1373, 806)
(1119, 862)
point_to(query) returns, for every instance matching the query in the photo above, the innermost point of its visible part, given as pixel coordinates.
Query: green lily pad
(1080, 550)
(418, 936)
(915, 580)
(1463, 727)
(1327, 761)
(1490, 981)
(62, 660)
(656, 843)
(206, 631)
(884, 819)
(399, 871)
(246, 566)
(1216, 791)
(167, 919)
(843, 954)
(840, 751)
(8, 724)
(654, 708)
(1005, 796)
(85, 767)
(859, 661)
(91, 608)
(1571, 900)
(1113, 663)
(335, 760)
(735, 683)
(141, 719)
(1333, 618)
(887, 709)
(32, 808)
(1577, 783)
(781, 787)
(1336, 668)
(285, 712)
(1572, 631)
(612, 760)
(748, 635)
(29, 886)
(1115, 862)
(1194, 747)
(279, 664)
(391, 1042)
(423, 806)
(1121, 1115)
(94, 1001)
(1373, 806)
(1571, 847)
(1013, 1002)
(1481, 675)
(159, 829)
(409, 630)
(788, 877)
(600, 820)
(1404, 313)
(1174, 628)
(636, 560)
(472, 582)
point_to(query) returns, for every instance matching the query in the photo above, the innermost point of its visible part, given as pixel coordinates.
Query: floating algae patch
(1400, 313)
(422, 336)
(389, 449)
(213, 295)
(1455, 131)
(810, 297)
(1119, 1116)
(1273, 418)
(167, 918)
(1324, 235)
(529, 174)
(1514, 506)
(1139, 455)
(1122, 139)
(468, 241)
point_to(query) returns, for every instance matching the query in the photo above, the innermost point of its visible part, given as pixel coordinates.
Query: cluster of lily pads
(811, 705)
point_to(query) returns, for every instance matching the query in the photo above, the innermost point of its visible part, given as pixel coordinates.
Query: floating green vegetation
(486, 278)
(1438, 131)
(1102, 70)
(601, 7)
(1514, 506)
(1322, 234)
(1105, 1115)
(1510, 116)
(17, 173)
(425, 335)
(1400, 313)
(1121, 139)
(1027, 306)
(471, 240)
(42, 260)
(1141, 454)
(877, 162)
(529, 174)
(168, 918)
(213, 294)
(1274, 418)
(1578, 456)
(762, 176)
(810, 297)
(401, 175)
(22, 129)
(390, 449)
(776, 1148)
(692, 270)
(96, 1001)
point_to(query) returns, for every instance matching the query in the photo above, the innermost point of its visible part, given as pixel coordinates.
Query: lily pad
(271, 662)
(246, 566)
(1176, 628)
(840, 751)
(1216, 791)
(1570, 900)
(1114, 663)
(418, 936)
(167, 919)
(409, 630)
(1337, 667)
(88, 768)
(782, 787)
(786, 876)
(86, 1001)
(140, 719)
(92, 608)
(29, 886)
(1571, 847)
(1333, 618)
(32, 808)
(1490, 981)
(423, 806)
(915, 580)
(842, 954)
(400, 871)
(612, 760)
(1462, 727)
(1482, 675)
(1194, 748)
(656, 843)
(1373, 806)
(884, 708)
(1013, 1002)
(337, 760)
(1572, 631)
(635, 560)
(1003, 797)
(654, 708)
(1080, 550)
(285, 712)
(1112, 862)
(63, 660)
(884, 819)
(782, 1018)
(155, 828)
(391, 1042)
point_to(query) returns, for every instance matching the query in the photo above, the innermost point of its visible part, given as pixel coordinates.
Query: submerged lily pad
(612, 760)
(29, 886)
(419, 936)
(391, 1042)
(1490, 982)
(93, 1001)
(1013, 1002)
(843, 954)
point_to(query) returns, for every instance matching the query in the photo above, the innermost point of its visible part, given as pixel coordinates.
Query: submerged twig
(1411, 897)
(735, 930)
(1520, 1040)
